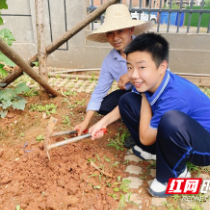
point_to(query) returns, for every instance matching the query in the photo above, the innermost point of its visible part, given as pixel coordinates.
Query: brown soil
(29, 179)
(68, 181)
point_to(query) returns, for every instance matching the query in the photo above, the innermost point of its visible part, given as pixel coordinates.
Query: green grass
(195, 17)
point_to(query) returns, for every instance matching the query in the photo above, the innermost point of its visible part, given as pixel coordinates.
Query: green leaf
(22, 87)
(6, 104)
(7, 36)
(1, 21)
(6, 60)
(3, 113)
(20, 104)
(36, 63)
(2, 71)
(97, 187)
(116, 189)
(7, 94)
(126, 181)
(3, 4)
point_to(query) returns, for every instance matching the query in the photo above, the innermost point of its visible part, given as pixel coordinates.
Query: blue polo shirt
(177, 93)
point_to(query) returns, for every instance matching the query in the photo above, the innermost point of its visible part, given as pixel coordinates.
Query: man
(118, 29)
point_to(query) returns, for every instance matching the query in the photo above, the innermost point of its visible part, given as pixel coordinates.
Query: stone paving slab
(136, 198)
(133, 169)
(135, 182)
(132, 158)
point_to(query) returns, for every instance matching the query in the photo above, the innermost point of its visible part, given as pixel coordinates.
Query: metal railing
(139, 9)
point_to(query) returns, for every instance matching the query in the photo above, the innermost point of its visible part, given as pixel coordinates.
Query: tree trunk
(62, 39)
(12, 55)
(42, 58)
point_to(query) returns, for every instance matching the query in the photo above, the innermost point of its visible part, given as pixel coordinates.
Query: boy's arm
(104, 122)
(147, 135)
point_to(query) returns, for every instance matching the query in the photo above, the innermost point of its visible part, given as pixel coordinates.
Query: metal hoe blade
(50, 128)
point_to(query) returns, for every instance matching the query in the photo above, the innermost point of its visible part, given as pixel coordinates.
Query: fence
(188, 17)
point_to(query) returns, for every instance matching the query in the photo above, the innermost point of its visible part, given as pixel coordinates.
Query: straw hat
(118, 17)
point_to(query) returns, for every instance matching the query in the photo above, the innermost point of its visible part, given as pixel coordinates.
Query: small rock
(44, 115)
(16, 159)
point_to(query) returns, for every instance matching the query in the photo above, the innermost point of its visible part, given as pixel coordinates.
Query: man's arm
(147, 134)
(104, 83)
(123, 81)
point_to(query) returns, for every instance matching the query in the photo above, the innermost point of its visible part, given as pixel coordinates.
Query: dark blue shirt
(177, 93)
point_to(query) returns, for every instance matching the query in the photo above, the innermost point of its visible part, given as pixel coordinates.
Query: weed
(31, 93)
(191, 167)
(126, 162)
(40, 138)
(169, 206)
(113, 196)
(143, 176)
(98, 157)
(116, 164)
(108, 184)
(69, 92)
(152, 165)
(176, 197)
(97, 187)
(123, 186)
(90, 160)
(66, 120)
(197, 207)
(106, 159)
(18, 207)
(118, 140)
(22, 134)
(49, 108)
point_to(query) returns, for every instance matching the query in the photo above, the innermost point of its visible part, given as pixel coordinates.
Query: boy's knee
(170, 122)
(124, 100)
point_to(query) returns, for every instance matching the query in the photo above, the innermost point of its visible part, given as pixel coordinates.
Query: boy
(118, 29)
(166, 114)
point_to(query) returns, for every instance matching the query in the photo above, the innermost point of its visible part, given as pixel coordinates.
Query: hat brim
(99, 35)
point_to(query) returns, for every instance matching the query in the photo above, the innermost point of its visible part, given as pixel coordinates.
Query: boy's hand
(123, 81)
(81, 127)
(97, 130)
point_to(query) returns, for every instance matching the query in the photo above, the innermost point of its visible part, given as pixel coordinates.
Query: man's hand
(84, 124)
(81, 127)
(123, 81)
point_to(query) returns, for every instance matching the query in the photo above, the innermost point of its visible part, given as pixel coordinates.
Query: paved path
(155, 203)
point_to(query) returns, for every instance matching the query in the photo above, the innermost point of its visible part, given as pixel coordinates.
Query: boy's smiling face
(143, 72)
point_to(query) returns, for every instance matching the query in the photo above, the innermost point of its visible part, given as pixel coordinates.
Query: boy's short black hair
(152, 43)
